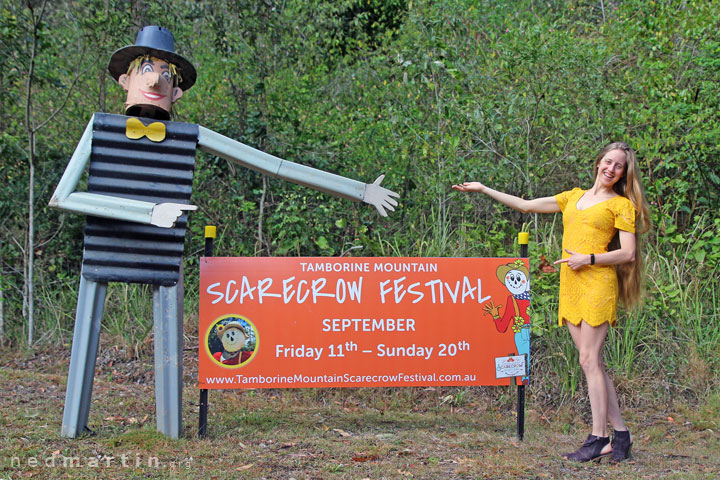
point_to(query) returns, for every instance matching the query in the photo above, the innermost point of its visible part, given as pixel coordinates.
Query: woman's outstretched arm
(536, 205)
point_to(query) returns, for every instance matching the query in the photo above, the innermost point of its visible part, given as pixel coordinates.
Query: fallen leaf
(342, 433)
(245, 467)
(364, 458)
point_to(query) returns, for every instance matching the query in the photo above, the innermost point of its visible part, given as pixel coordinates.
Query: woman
(598, 266)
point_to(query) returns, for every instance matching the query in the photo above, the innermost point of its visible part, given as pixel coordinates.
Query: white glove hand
(380, 197)
(166, 214)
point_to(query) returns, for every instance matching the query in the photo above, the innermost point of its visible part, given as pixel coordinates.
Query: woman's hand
(537, 205)
(576, 260)
(470, 187)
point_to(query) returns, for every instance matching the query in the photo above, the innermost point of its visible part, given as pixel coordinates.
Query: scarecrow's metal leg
(91, 300)
(168, 316)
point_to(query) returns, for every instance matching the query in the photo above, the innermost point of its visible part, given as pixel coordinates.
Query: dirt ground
(428, 433)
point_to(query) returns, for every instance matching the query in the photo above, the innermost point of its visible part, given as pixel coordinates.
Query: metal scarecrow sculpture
(138, 193)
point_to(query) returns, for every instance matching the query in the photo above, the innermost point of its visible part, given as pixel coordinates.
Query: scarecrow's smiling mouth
(152, 96)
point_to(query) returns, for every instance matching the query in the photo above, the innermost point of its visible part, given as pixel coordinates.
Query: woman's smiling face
(611, 167)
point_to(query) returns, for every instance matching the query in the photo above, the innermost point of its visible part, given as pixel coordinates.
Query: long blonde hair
(630, 275)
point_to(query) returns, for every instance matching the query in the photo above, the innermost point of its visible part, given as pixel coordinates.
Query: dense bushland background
(519, 94)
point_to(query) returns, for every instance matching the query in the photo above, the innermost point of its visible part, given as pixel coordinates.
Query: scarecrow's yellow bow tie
(135, 130)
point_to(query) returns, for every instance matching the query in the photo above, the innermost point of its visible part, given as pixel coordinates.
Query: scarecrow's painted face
(150, 89)
(233, 339)
(516, 282)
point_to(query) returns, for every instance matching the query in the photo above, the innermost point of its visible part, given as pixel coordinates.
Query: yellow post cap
(523, 238)
(210, 231)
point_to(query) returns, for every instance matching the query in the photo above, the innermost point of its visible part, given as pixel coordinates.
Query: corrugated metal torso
(158, 172)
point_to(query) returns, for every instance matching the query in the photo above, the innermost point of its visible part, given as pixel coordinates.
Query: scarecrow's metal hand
(166, 214)
(380, 197)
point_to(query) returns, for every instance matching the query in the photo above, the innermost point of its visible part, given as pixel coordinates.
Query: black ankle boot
(621, 445)
(591, 449)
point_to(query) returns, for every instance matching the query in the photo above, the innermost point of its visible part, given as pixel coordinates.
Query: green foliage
(519, 94)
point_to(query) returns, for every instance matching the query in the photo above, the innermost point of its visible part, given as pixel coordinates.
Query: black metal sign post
(523, 240)
(210, 234)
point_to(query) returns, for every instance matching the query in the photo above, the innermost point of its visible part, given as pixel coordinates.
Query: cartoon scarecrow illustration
(138, 192)
(233, 338)
(516, 278)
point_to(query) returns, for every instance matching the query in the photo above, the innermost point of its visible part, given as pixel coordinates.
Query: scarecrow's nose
(152, 78)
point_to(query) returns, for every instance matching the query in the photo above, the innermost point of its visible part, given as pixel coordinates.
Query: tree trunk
(29, 288)
(32, 127)
(31, 246)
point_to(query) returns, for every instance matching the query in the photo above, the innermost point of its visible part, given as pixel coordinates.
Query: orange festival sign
(362, 322)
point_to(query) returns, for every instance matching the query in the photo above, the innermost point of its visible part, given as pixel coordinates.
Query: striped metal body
(158, 172)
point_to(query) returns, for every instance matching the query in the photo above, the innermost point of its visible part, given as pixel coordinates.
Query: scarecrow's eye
(146, 68)
(166, 75)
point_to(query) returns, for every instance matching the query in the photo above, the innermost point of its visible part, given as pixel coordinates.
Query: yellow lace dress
(590, 293)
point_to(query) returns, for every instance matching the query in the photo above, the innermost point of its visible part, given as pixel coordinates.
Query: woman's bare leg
(613, 406)
(589, 341)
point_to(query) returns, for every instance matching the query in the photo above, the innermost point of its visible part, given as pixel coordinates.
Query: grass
(375, 433)
(664, 360)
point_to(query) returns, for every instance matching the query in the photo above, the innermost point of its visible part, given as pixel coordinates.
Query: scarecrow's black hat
(157, 42)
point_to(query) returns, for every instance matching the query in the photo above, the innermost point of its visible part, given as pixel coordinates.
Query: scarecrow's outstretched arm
(66, 198)
(262, 162)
